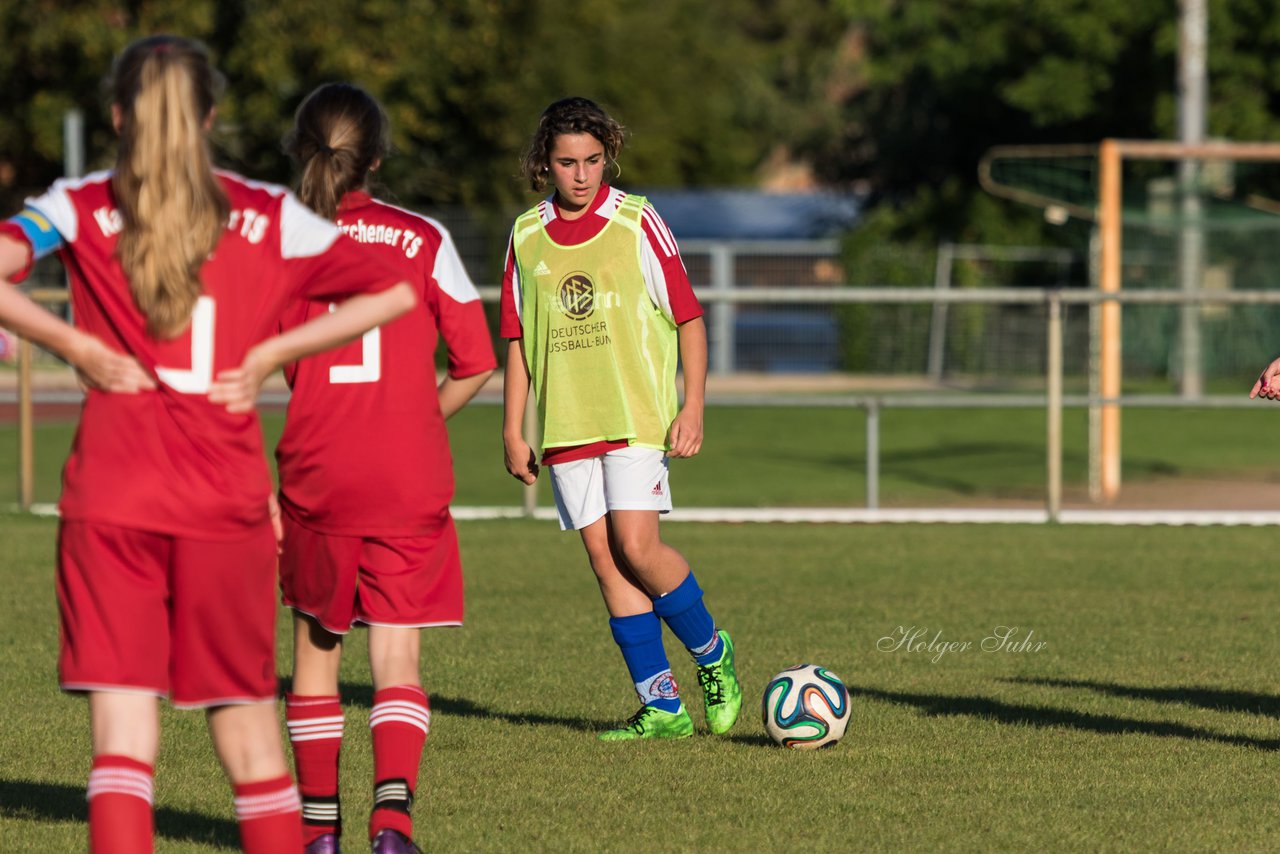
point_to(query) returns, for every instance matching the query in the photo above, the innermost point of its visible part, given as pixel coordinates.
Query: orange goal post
(1159, 214)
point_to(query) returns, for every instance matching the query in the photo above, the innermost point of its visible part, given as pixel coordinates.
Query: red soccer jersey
(170, 461)
(364, 450)
(660, 264)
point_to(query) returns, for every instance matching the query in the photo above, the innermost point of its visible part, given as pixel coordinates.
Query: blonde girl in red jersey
(166, 568)
(367, 534)
(597, 306)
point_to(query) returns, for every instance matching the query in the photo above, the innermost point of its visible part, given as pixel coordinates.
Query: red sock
(315, 731)
(120, 797)
(270, 816)
(399, 721)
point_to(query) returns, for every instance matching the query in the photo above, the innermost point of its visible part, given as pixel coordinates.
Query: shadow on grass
(1042, 716)
(55, 802)
(361, 695)
(1215, 699)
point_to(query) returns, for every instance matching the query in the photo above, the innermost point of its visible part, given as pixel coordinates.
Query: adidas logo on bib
(542, 269)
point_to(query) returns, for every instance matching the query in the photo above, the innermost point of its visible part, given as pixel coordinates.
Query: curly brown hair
(570, 116)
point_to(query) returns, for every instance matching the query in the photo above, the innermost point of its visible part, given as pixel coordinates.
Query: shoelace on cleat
(636, 721)
(709, 679)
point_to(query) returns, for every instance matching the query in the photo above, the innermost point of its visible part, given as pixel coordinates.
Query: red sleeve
(509, 325)
(13, 230)
(466, 334)
(684, 303)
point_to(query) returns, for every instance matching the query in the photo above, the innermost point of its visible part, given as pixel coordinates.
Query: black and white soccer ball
(806, 707)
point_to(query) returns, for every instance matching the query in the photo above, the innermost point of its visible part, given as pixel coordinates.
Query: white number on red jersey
(198, 379)
(370, 368)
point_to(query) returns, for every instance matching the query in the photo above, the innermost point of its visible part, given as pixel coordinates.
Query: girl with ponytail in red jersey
(367, 534)
(166, 555)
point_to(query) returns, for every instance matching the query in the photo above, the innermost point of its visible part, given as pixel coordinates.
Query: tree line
(896, 98)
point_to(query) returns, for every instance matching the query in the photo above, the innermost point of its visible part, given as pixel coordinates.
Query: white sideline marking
(914, 515)
(922, 515)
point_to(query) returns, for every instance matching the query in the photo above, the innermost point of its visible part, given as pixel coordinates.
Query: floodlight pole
(1193, 28)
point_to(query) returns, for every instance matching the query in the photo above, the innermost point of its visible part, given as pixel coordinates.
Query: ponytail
(174, 209)
(339, 136)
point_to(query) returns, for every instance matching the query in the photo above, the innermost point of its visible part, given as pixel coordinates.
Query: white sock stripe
(400, 704)
(121, 781)
(143, 793)
(319, 812)
(280, 802)
(312, 730)
(119, 774)
(416, 714)
(335, 719)
(323, 736)
(409, 709)
(393, 791)
(334, 730)
(422, 722)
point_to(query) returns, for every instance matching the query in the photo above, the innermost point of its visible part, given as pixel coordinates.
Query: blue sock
(640, 639)
(684, 612)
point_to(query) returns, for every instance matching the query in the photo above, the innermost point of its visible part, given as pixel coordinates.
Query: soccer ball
(806, 707)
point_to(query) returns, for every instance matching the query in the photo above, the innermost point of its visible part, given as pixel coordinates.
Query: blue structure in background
(755, 215)
(717, 230)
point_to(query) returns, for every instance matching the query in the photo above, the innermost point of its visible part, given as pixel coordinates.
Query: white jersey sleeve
(658, 254)
(449, 272)
(56, 207)
(303, 233)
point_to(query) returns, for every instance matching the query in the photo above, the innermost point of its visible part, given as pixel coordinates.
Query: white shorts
(626, 479)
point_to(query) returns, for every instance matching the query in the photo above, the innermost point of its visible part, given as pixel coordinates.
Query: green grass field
(1147, 722)
(817, 457)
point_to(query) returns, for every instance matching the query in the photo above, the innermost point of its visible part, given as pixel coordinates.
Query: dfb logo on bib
(577, 296)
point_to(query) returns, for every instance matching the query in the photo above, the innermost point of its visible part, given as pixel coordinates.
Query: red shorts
(381, 581)
(192, 619)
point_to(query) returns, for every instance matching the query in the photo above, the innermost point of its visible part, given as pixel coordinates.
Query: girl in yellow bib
(598, 308)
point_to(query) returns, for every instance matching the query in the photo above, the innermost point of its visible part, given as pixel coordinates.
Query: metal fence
(1054, 303)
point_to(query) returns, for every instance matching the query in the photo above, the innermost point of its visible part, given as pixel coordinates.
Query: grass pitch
(1147, 721)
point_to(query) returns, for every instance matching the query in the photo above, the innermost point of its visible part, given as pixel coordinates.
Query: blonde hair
(340, 133)
(174, 209)
(570, 116)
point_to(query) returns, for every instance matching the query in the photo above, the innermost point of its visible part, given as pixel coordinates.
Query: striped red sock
(270, 816)
(120, 797)
(400, 721)
(315, 731)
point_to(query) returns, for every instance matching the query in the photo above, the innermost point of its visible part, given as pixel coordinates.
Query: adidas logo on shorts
(542, 269)
(657, 488)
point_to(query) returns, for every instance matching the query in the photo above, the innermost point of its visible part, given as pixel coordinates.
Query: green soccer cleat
(651, 722)
(721, 692)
